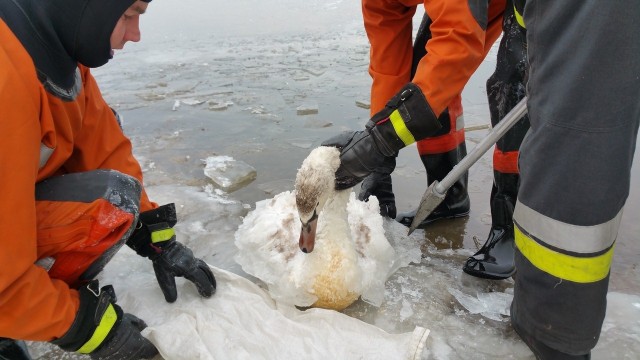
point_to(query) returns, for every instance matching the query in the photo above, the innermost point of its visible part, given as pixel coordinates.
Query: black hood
(58, 34)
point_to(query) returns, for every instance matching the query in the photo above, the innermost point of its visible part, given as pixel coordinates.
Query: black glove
(380, 185)
(406, 118)
(359, 157)
(155, 239)
(103, 331)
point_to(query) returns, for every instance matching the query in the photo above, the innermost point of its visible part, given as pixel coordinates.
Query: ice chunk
(492, 305)
(191, 102)
(300, 78)
(307, 109)
(228, 173)
(216, 105)
(363, 104)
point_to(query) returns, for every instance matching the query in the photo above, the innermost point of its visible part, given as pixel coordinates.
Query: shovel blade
(430, 200)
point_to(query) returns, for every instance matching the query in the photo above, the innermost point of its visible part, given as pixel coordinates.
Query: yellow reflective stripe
(102, 330)
(401, 128)
(162, 235)
(576, 269)
(519, 18)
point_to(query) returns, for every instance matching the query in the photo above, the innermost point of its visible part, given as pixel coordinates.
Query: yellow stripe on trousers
(563, 266)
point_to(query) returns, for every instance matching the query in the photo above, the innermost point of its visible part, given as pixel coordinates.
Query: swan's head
(315, 183)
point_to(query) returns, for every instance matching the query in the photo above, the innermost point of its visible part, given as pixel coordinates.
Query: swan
(316, 246)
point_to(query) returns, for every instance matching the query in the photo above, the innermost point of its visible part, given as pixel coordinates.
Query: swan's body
(350, 256)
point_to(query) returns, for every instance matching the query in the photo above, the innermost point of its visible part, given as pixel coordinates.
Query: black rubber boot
(456, 203)
(13, 350)
(495, 260)
(379, 185)
(505, 88)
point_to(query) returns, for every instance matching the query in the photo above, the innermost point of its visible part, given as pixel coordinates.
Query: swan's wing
(376, 255)
(267, 243)
(266, 239)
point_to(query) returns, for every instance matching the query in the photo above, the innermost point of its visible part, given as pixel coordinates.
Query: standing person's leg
(505, 88)
(439, 154)
(442, 151)
(583, 89)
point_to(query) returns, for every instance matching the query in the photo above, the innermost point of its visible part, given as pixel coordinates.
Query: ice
(491, 305)
(307, 109)
(191, 102)
(365, 104)
(228, 173)
(216, 105)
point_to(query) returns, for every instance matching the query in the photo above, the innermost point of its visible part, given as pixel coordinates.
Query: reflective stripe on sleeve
(401, 128)
(102, 330)
(563, 266)
(162, 235)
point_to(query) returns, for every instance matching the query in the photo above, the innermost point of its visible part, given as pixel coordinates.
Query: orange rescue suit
(457, 46)
(84, 135)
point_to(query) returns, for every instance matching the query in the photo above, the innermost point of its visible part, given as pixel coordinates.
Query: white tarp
(241, 321)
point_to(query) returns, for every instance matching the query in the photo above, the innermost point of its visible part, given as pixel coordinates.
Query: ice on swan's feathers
(352, 257)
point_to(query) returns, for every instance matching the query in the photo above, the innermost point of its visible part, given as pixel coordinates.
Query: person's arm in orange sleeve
(102, 144)
(458, 45)
(33, 306)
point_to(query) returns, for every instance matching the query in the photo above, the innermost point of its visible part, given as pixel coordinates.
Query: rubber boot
(456, 203)
(379, 185)
(495, 260)
(13, 350)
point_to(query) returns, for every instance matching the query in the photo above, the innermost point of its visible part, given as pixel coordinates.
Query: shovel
(436, 192)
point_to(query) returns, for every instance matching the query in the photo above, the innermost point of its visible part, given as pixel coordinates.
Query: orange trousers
(80, 234)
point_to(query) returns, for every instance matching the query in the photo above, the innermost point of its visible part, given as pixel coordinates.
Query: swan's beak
(308, 235)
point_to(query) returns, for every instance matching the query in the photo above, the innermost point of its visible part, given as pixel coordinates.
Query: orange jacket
(457, 46)
(85, 136)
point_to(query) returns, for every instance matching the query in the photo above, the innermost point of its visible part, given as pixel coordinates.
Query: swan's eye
(314, 216)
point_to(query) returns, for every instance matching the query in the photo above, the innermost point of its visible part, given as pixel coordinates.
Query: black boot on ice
(495, 260)
(456, 203)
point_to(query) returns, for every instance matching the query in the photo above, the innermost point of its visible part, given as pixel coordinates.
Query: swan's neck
(333, 226)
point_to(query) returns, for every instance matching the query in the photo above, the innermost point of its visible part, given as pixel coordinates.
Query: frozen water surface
(239, 71)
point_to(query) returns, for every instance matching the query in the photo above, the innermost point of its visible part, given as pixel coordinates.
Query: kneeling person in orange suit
(72, 187)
